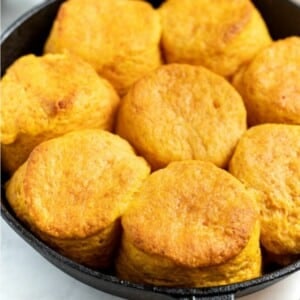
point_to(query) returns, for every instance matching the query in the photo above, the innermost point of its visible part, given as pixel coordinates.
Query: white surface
(25, 275)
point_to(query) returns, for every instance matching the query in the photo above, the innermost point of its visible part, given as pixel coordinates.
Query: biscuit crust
(220, 35)
(188, 216)
(270, 85)
(119, 38)
(191, 199)
(267, 159)
(44, 97)
(72, 190)
(181, 112)
(135, 265)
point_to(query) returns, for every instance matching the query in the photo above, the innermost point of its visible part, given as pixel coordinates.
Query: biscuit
(190, 225)
(221, 36)
(72, 190)
(270, 85)
(181, 112)
(119, 38)
(267, 158)
(44, 97)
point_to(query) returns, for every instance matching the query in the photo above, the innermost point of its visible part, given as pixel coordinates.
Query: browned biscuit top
(119, 38)
(221, 35)
(182, 112)
(192, 213)
(76, 185)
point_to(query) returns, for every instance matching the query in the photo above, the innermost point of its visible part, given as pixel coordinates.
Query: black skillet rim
(46, 251)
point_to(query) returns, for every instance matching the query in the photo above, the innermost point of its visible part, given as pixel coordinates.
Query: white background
(25, 275)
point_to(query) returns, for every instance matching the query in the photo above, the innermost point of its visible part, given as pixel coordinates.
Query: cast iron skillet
(27, 35)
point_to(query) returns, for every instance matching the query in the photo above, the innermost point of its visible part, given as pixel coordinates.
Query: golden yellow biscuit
(270, 85)
(44, 97)
(119, 38)
(267, 158)
(72, 190)
(182, 112)
(220, 35)
(191, 224)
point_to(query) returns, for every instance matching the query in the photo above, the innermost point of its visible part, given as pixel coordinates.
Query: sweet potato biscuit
(182, 112)
(270, 85)
(44, 97)
(119, 38)
(72, 190)
(267, 158)
(191, 224)
(220, 35)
